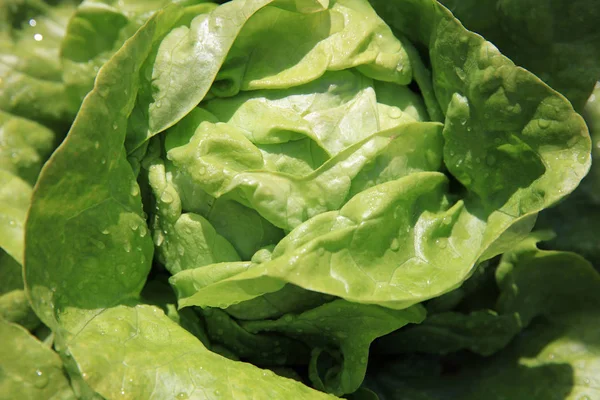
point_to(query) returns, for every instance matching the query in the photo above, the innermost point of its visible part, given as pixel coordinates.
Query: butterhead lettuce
(304, 199)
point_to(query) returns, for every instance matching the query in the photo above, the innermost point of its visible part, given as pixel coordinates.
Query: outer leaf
(148, 356)
(30, 370)
(480, 332)
(339, 326)
(97, 29)
(575, 220)
(31, 85)
(24, 146)
(556, 40)
(556, 360)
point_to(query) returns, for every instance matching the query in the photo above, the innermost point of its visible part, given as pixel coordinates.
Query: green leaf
(482, 332)
(97, 29)
(146, 354)
(556, 40)
(237, 169)
(14, 200)
(187, 61)
(553, 360)
(31, 83)
(30, 370)
(575, 219)
(339, 327)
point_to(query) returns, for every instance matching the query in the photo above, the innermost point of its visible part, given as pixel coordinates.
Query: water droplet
(441, 243)
(38, 37)
(490, 160)
(41, 380)
(135, 190)
(143, 231)
(543, 123)
(96, 145)
(32, 22)
(395, 245)
(158, 104)
(159, 239)
(394, 113)
(127, 247)
(11, 222)
(166, 197)
(182, 396)
(133, 225)
(363, 360)
(202, 170)
(463, 122)
(115, 126)
(103, 161)
(477, 160)
(288, 318)
(180, 250)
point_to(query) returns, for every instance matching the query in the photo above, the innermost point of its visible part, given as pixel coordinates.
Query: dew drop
(38, 37)
(441, 243)
(96, 145)
(395, 245)
(166, 197)
(543, 123)
(103, 161)
(127, 247)
(32, 22)
(180, 250)
(158, 104)
(395, 113)
(363, 360)
(135, 190)
(490, 160)
(288, 318)
(182, 396)
(41, 379)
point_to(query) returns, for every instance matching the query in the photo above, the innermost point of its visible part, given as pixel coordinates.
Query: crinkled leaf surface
(557, 40)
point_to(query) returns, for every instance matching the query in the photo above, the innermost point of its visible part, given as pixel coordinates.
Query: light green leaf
(147, 355)
(30, 370)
